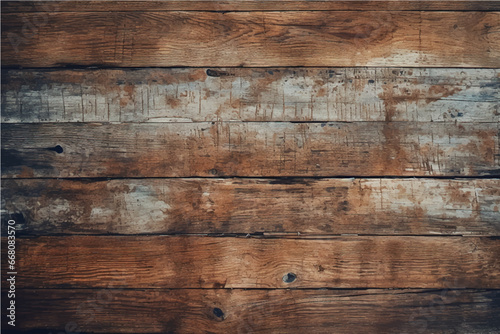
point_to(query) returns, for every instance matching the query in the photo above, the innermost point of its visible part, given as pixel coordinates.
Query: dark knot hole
(289, 278)
(58, 149)
(218, 312)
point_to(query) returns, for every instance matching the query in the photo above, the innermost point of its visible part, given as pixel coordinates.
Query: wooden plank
(216, 262)
(258, 311)
(277, 94)
(246, 5)
(305, 206)
(252, 39)
(249, 149)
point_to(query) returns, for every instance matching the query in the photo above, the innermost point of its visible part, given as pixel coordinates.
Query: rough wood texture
(203, 262)
(277, 94)
(306, 38)
(260, 311)
(308, 206)
(249, 149)
(244, 5)
(224, 131)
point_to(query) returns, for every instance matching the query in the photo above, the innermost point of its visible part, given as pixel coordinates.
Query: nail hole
(58, 149)
(212, 73)
(289, 278)
(213, 171)
(218, 312)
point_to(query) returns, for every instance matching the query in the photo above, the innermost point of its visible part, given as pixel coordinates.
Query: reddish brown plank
(258, 311)
(252, 39)
(245, 5)
(275, 94)
(224, 262)
(249, 149)
(305, 206)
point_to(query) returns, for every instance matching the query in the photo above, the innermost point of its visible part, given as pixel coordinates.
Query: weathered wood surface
(259, 311)
(245, 5)
(249, 149)
(252, 39)
(227, 262)
(215, 120)
(307, 206)
(276, 94)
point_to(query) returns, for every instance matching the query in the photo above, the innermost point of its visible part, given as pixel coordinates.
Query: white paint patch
(406, 196)
(145, 204)
(58, 208)
(101, 212)
(397, 58)
(136, 210)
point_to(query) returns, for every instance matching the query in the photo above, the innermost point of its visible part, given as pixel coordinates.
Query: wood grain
(189, 171)
(249, 149)
(275, 206)
(259, 311)
(227, 94)
(210, 262)
(252, 39)
(246, 5)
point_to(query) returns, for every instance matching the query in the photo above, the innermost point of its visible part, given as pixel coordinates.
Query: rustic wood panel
(238, 123)
(276, 94)
(308, 206)
(259, 311)
(210, 262)
(244, 5)
(306, 38)
(249, 149)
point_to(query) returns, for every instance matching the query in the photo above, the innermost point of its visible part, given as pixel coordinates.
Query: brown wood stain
(252, 166)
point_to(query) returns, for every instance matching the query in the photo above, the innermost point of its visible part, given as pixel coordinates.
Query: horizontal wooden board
(249, 149)
(245, 5)
(305, 206)
(276, 94)
(226, 262)
(258, 311)
(252, 39)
